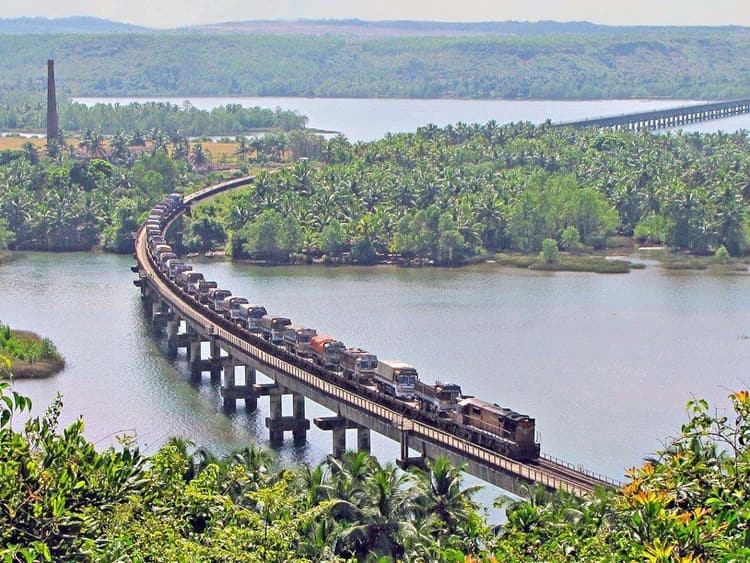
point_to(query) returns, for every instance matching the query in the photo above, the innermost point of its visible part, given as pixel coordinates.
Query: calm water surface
(366, 119)
(604, 363)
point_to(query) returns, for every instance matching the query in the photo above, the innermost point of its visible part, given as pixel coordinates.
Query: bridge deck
(482, 462)
(665, 118)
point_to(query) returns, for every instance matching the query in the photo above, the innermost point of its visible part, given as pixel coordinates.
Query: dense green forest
(63, 500)
(81, 200)
(442, 196)
(30, 114)
(446, 195)
(682, 63)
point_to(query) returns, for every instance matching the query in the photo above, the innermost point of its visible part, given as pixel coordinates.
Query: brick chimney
(52, 123)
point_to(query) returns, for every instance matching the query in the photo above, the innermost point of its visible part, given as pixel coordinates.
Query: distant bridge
(664, 118)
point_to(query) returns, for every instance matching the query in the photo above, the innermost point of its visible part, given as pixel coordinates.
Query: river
(605, 363)
(366, 119)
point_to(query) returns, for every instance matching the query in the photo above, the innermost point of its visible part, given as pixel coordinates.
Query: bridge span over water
(664, 118)
(232, 350)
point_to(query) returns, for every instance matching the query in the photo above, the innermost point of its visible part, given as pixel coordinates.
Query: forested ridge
(701, 63)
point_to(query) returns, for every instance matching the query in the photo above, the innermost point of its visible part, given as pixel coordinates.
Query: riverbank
(31, 356)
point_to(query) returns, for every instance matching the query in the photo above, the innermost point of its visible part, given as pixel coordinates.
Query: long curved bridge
(664, 118)
(230, 349)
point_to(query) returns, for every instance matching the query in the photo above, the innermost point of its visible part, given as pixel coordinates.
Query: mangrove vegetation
(26, 354)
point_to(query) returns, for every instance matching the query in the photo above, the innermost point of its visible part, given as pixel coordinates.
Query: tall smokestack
(52, 123)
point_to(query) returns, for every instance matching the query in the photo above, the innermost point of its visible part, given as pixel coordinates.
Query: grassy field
(220, 152)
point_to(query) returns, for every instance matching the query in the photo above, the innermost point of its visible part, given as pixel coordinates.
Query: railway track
(550, 472)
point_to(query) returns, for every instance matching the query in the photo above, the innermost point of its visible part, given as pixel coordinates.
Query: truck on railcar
(272, 328)
(250, 315)
(358, 365)
(297, 340)
(175, 266)
(203, 288)
(394, 377)
(216, 296)
(156, 238)
(326, 351)
(230, 307)
(501, 429)
(175, 200)
(188, 281)
(164, 259)
(441, 398)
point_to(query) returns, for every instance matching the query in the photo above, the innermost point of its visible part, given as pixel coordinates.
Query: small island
(25, 354)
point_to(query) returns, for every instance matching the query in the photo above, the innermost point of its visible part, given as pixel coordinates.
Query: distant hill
(74, 24)
(346, 27)
(409, 28)
(544, 60)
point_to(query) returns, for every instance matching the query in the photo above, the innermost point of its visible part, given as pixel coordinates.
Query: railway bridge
(230, 351)
(664, 118)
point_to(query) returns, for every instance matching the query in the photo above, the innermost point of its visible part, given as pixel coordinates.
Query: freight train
(392, 383)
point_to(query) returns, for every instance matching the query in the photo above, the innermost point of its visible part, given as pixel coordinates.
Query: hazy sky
(175, 13)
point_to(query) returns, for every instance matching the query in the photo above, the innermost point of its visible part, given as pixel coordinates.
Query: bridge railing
(581, 469)
(423, 431)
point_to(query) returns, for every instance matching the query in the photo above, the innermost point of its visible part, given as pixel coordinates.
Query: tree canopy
(62, 499)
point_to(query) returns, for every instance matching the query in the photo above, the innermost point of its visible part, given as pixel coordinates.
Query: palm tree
(244, 147)
(119, 150)
(441, 497)
(383, 517)
(199, 158)
(92, 143)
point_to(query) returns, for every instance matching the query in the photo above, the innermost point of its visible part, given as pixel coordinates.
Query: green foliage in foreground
(25, 348)
(61, 499)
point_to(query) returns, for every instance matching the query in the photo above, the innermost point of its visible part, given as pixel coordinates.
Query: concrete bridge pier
(173, 338)
(338, 425)
(277, 423)
(363, 439)
(230, 391)
(215, 360)
(406, 461)
(194, 354)
(146, 290)
(159, 313)
(251, 398)
(228, 386)
(301, 424)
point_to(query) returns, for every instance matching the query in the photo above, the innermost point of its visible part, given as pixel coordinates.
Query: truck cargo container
(297, 340)
(396, 378)
(326, 350)
(272, 328)
(441, 398)
(250, 315)
(358, 365)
